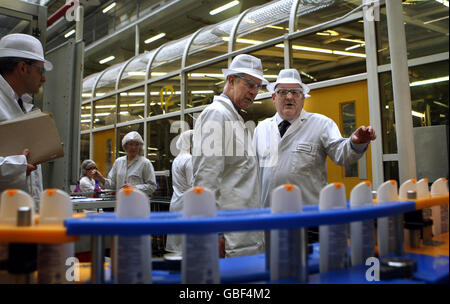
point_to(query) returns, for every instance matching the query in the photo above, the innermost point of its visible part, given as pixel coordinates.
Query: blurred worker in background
(292, 146)
(182, 178)
(223, 156)
(130, 170)
(88, 170)
(22, 67)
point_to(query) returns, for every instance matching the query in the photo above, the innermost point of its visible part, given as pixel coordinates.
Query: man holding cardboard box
(22, 67)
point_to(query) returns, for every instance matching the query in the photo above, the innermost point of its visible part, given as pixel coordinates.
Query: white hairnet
(85, 164)
(184, 142)
(133, 136)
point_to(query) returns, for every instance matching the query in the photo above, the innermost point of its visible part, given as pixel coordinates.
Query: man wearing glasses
(223, 157)
(22, 66)
(293, 145)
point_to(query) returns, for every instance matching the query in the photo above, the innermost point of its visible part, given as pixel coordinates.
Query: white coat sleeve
(13, 169)
(208, 166)
(339, 149)
(149, 178)
(111, 180)
(189, 171)
(85, 185)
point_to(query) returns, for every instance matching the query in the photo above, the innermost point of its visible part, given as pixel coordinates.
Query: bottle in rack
(55, 206)
(440, 213)
(132, 257)
(333, 238)
(200, 263)
(362, 233)
(387, 193)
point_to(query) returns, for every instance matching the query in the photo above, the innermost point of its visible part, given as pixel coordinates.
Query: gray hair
(85, 164)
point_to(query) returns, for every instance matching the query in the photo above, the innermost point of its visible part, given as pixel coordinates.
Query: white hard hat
(246, 64)
(132, 136)
(184, 142)
(23, 46)
(288, 76)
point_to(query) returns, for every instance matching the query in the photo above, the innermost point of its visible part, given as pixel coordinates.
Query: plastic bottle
(96, 190)
(333, 238)
(22, 258)
(77, 188)
(55, 206)
(423, 192)
(200, 263)
(132, 262)
(285, 245)
(362, 234)
(411, 235)
(387, 194)
(440, 213)
(11, 200)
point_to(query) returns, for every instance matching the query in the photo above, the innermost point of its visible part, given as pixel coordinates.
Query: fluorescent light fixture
(136, 94)
(444, 2)
(109, 7)
(354, 47)
(242, 40)
(154, 38)
(428, 81)
(440, 104)
(223, 7)
(69, 33)
(349, 54)
(86, 95)
(107, 59)
(105, 106)
(124, 113)
(328, 33)
(135, 73)
(85, 121)
(435, 20)
(85, 115)
(417, 114)
(99, 94)
(353, 40)
(102, 114)
(386, 107)
(201, 75)
(277, 27)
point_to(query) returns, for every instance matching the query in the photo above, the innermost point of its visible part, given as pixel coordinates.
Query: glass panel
(426, 29)
(85, 120)
(429, 100)
(319, 57)
(210, 42)
(159, 152)
(107, 82)
(132, 104)
(311, 13)
(135, 70)
(272, 61)
(104, 111)
(125, 13)
(104, 147)
(9, 24)
(88, 83)
(122, 131)
(84, 147)
(169, 57)
(391, 170)
(348, 126)
(259, 110)
(204, 83)
(164, 96)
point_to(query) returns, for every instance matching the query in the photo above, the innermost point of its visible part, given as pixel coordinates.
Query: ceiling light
(224, 7)
(435, 20)
(428, 81)
(441, 104)
(156, 37)
(277, 27)
(136, 73)
(417, 114)
(354, 47)
(328, 33)
(109, 7)
(107, 59)
(69, 33)
(353, 40)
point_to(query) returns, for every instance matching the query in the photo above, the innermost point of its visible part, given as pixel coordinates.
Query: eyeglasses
(41, 69)
(89, 169)
(251, 84)
(284, 92)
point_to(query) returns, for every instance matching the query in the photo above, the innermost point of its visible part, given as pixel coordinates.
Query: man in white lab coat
(224, 160)
(292, 146)
(22, 67)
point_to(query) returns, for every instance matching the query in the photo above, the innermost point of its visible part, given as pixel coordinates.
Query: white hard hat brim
(250, 72)
(6, 52)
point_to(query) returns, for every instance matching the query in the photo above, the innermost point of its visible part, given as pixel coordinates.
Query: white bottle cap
(361, 194)
(11, 200)
(199, 202)
(332, 196)
(439, 187)
(286, 198)
(409, 185)
(55, 206)
(387, 191)
(132, 203)
(422, 188)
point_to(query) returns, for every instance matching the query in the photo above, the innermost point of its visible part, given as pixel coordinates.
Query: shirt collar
(302, 116)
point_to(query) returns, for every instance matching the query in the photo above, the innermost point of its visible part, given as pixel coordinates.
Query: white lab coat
(13, 168)
(231, 175)
(182, 178)
(87, 184)
(139, 173)
(299, 157)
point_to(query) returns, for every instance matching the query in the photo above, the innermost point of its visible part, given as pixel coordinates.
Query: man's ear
(21, 67)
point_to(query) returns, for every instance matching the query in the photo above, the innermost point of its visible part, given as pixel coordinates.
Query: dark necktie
(21, 104)
(283, 126)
